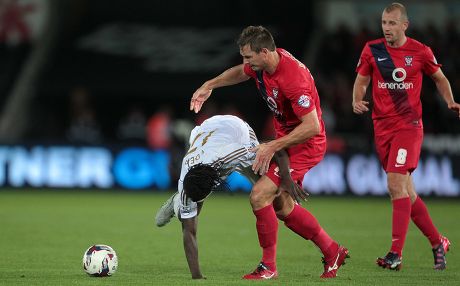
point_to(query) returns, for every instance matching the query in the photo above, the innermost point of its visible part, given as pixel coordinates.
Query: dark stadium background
(95, 94)
(94, 119)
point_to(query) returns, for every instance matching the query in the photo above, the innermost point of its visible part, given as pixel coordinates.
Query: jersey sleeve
(302, 96)
(250, 72)
(364, 66)
(430, 65)
(302, 103)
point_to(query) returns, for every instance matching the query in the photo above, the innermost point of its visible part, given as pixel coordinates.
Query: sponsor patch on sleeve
(304, 101)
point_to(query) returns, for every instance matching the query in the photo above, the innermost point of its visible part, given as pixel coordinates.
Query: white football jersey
(223, 140)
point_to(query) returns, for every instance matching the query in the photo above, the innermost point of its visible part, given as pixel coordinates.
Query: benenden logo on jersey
(399, 75)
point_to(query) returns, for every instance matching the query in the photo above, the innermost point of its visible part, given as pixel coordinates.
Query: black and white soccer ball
(100, 260)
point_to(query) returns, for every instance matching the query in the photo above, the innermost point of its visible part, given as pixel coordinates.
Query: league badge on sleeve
(304, 101)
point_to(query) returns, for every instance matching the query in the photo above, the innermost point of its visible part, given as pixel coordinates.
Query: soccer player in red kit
(396, 64)
(289, 90)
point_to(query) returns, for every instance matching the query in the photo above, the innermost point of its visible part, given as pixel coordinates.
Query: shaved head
(397, 6)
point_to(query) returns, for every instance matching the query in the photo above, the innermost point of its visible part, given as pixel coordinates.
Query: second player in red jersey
(396, 82)
(396, 65)
(289, 90)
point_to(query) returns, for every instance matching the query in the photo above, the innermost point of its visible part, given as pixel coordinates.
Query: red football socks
(305, 224)
(421, 218)
(401, 219)
(302, 222)
(326, 244)
(267, 230)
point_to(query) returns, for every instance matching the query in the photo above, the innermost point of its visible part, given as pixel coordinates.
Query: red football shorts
(399, 151)
(302, 158)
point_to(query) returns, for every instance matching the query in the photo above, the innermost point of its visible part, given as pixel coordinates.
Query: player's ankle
(331, 251)
(271, 265)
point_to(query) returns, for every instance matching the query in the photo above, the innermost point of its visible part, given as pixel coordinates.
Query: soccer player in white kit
(220, 145)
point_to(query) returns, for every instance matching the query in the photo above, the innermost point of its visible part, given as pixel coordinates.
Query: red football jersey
(290, 93)
(396, 82)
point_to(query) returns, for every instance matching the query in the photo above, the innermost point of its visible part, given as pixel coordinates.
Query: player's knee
(283, 205)
(282, 213)
(256, 196)
(413, 197)
(259, 197)
(397, 189)
(263, 193)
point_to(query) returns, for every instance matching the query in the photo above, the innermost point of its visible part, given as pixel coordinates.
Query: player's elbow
(315, 128)
(309, 131)
(310, 125)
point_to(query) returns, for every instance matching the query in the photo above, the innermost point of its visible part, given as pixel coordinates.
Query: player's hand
(199, 97)
(264, 155)
(294, 190)
(455, 107)
(359, 107)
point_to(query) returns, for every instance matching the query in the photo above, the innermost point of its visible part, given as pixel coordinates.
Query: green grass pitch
(43, 235)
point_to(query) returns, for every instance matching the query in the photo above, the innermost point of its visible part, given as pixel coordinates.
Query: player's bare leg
(261, 198)
(398, 189)
(411, 190)
(263, 193)
(283, 205)
(421, 217)
(302, 222)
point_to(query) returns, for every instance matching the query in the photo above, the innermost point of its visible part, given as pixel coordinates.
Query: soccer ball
(100, 260)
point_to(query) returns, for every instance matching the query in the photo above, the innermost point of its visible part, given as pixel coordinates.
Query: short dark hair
(201, 180)
(258, 37)
(397, 6)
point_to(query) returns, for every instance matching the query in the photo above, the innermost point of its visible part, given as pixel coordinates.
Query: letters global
(362, 175)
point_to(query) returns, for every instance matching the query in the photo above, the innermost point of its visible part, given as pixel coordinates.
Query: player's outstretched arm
(359, 92)
(443, 86)
(189, 230)
(287, 184)
(231, 76)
